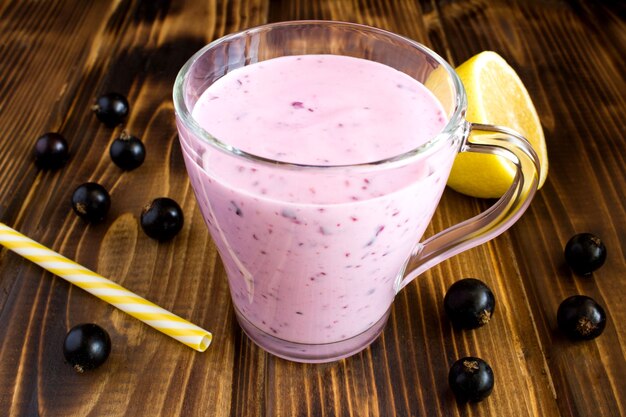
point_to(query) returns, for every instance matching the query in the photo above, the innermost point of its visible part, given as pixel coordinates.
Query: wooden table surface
(56, 57)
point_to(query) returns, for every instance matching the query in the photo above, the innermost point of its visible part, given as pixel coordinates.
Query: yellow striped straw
(130, 303)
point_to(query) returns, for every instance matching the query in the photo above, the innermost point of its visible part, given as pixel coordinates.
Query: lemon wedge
(497, 96)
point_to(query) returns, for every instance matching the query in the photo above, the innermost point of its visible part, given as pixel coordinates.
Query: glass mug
(307, 284)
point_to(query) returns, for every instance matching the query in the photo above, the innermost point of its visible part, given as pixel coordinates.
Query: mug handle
(495, 220)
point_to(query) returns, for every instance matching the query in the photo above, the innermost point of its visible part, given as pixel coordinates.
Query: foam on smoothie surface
(320, 110)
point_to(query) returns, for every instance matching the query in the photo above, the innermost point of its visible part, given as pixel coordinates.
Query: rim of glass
(184, 115)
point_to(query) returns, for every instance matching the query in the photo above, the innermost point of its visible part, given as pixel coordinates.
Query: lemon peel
(497, 96)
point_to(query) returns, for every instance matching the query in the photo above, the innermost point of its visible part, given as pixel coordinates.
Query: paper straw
(130, 303)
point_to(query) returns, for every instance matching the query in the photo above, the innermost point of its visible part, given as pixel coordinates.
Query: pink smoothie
(313, 255)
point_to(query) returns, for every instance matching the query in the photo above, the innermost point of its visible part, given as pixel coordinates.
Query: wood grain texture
(56, 57)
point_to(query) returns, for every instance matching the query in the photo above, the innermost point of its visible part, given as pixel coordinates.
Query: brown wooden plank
(567, 55)
(55, 57)
(120, 48)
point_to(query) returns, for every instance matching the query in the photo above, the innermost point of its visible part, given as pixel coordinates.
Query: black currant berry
(127, 152)
(91, 201)
(471, 379)
(585, 253)
(162, 219)
(581, 318)
(86, 346)
(111, 109)
(469, 303)
(51, 151)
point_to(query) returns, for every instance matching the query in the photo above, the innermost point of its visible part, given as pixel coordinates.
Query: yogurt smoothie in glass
(312, 259)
